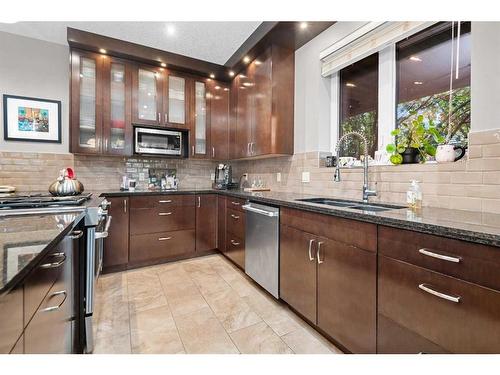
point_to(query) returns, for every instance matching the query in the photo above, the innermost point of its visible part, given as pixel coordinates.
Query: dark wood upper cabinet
(219, 120)
(176, 100)
(200, 121)
(147, 95)
(264, 105)
(206, 222)
(116, 245)
(86, 102)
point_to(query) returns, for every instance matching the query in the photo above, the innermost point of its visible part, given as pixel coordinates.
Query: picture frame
(31, 119)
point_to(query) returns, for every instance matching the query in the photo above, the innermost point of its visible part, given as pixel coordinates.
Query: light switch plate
(278, 177)
(306, 176)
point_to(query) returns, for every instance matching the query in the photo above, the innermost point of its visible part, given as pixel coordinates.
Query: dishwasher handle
(248, 207)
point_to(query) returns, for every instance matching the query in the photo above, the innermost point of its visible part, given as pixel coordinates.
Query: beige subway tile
(465, 203)
(492, 178)
(491, 205)
(466, 177)
(484, 137)
(475, 151)
(491, 150)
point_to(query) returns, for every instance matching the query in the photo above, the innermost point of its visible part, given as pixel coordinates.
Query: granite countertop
(478, 227)
(24, 241)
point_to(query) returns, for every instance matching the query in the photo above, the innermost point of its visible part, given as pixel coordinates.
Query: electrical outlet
(306, 176)
(278, 177)
(142, 177)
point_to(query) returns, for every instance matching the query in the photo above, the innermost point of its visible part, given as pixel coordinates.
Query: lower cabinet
(11, 319)
(235, 231)
(221, 223)
(163, 245)
(117, 242)
(206, 222)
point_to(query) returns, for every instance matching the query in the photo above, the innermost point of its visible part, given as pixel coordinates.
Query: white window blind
(368, 39)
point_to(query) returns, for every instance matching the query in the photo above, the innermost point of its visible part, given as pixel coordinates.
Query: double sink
(354, 205)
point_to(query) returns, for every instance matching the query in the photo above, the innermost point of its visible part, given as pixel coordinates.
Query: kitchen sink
(355, 205)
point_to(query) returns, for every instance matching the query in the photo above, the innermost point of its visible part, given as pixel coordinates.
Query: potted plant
(414, 141)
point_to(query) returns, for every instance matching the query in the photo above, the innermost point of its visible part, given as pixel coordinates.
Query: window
(359, 105)
(424, 62)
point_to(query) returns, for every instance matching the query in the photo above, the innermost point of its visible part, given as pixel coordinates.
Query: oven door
(157, 141)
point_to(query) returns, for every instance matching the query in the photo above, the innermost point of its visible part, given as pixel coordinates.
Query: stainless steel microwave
(157, 141)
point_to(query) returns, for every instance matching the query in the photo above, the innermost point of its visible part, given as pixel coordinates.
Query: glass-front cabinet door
(117, 126)
(175, 113)
(86, 100)
(147, 98)
(200, 131)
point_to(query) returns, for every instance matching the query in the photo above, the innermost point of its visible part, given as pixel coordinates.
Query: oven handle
(104, 233)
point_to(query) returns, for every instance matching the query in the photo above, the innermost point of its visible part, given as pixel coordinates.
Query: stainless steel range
(96, 221)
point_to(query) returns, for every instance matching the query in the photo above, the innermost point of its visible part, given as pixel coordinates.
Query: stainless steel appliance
(157, 141)
(262, 245)
(223, 177)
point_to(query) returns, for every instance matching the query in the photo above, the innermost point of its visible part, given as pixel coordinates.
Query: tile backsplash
(470, 184)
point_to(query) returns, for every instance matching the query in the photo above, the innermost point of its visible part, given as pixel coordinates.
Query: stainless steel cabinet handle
(233, 242)
(310, 248)
(432, 254)
(165, 201)
(166, 117)
(125, 205)
(104, 233)
(248, 148)
(159, 117)
(76, 234)
(57, 307)
(252, 148)
(235, 203)
(199, 201)
(213, 152)
(192, 150)
(236, 217)
(55, 264)
(318, 257)
(106, 144)
(164, 213)
(164, 238)
(427, 288)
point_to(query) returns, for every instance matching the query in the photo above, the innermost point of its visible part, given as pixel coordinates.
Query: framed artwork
(31, 119)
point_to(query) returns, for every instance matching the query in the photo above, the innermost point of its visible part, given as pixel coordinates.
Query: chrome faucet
(366, 192)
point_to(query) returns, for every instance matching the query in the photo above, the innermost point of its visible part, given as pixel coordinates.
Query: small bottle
(414, 196)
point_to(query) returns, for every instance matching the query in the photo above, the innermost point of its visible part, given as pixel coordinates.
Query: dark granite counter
(478, 227)
(24, 241)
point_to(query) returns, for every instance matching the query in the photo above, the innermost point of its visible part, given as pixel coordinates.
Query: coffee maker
(223, 177)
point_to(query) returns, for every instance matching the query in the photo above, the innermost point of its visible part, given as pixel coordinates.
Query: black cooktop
(41, 200)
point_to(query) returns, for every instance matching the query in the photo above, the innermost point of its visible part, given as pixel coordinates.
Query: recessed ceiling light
(415, 58)
(231, 73)
(246, 59)
(418, 83)
(247, 84)
(350, 84)
(303, 25)
(217, 87)
(226, 89)
(102, 50)
(212, 75)
(257, 62)
(242, 76)
(170, 29)
(163, 65)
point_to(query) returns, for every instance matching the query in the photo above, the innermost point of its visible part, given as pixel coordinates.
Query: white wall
(34, 68)
(485, 76)
(312, 91)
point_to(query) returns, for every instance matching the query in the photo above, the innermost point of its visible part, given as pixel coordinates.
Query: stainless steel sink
(355, 205)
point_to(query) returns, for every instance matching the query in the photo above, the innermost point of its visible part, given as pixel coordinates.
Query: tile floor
(202, 305)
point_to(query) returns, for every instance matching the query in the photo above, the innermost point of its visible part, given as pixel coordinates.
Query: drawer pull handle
(236, 203)
(317, 253)
(55, 264)
(57, 307)
(233, 242)
(311, 258)
(432, 254)
(164, 238)
(165, 201)
(76, 234)
(236, 217)
(427, 288)
(164, 213)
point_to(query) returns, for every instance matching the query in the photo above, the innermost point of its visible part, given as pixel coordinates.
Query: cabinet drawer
(166, 200)
(471, 325)
(395, 339)
(235, 203)
(161, 245)
(235, 222)
(352, 232)
(43, 277)
(235, 249)
(11, 319)
(166, 219)
(467, 261)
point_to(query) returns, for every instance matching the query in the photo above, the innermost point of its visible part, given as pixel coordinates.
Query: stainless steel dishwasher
(262, 245)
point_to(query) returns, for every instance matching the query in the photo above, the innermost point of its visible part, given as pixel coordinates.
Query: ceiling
(214, 42)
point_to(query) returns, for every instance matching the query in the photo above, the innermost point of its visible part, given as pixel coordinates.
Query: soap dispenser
(414, 196)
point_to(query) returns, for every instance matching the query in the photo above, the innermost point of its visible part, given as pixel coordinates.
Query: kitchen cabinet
(147, 95)
(100, 104)
(200, 132)
(176, 100)
(329, 275)
(235, 231)
(221, 223)
(219, 120)
(264, 106)
(117, 243)
(206, 222)
(11, 319)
